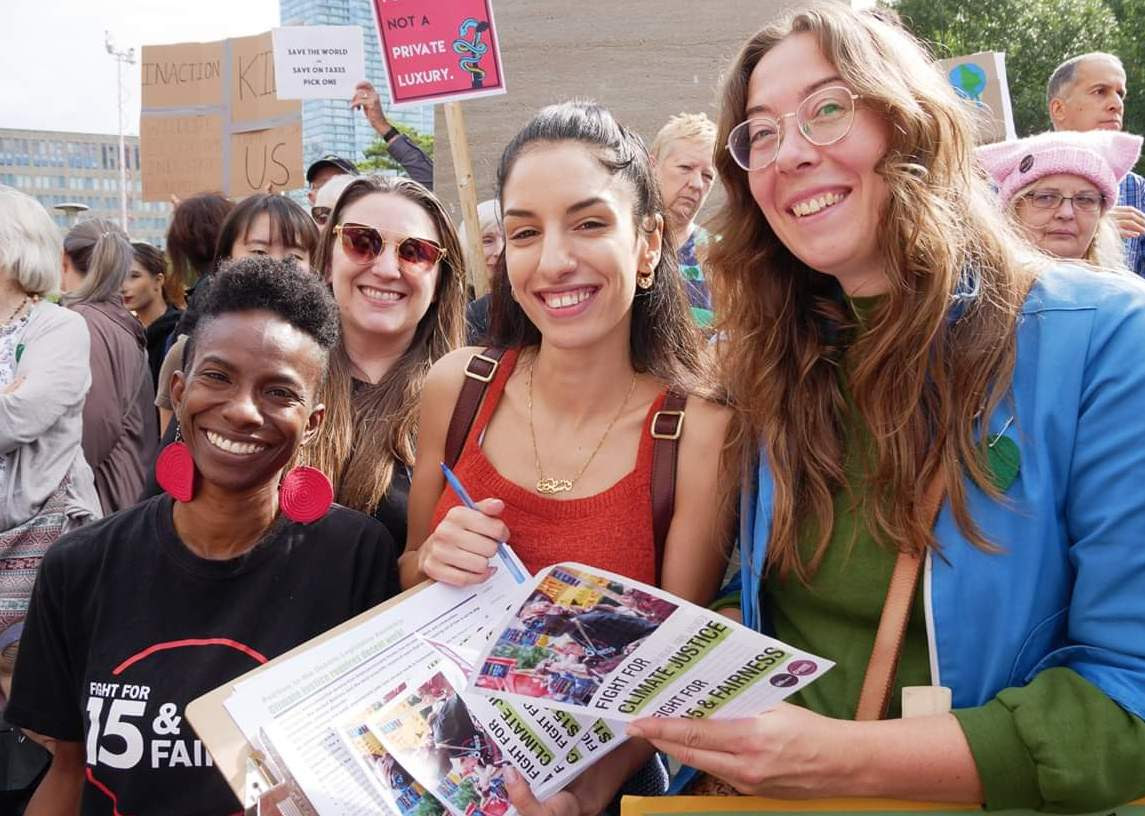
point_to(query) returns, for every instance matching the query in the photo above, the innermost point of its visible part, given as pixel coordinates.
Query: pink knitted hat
(1100, 156)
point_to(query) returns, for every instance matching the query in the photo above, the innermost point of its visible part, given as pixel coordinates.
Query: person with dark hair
(261, 224)
(395, 264)
(133, 617)
(119, 424)
(144, 294)
(191, 240)
(600, 348)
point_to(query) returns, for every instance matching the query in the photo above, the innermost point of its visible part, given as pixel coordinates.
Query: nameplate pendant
(549, 487)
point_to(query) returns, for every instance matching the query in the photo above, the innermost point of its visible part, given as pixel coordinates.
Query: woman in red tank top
(590, 304)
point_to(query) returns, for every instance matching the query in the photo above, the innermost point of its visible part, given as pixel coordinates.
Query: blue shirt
(1132, 194)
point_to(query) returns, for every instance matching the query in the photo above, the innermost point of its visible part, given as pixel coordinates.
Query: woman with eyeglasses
(1060, 186)
(393, 260)
(948, 430)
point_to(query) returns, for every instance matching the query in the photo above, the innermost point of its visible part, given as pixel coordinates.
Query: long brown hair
(366, 434)
(937, 355)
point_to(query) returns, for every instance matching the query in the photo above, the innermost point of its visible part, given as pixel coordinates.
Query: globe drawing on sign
(969, 80)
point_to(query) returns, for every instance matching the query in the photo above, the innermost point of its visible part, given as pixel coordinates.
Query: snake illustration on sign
(471, 52)
(439, 51)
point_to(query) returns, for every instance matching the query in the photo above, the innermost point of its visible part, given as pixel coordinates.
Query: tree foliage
(378, 155)
(1037, 35)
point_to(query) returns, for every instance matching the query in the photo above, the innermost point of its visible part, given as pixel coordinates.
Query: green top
(1057, 744)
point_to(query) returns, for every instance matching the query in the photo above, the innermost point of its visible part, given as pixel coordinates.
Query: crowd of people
(895, 377)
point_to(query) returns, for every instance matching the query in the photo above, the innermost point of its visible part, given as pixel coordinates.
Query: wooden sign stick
(466, 192)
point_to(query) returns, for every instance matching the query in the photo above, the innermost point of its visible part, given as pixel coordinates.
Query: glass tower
(329, 125)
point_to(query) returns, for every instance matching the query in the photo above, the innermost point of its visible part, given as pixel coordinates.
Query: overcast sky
(55, 73)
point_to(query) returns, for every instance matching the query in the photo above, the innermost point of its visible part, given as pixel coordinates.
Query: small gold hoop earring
(644, 280)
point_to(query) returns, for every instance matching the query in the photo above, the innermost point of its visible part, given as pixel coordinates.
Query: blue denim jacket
(1068, 587)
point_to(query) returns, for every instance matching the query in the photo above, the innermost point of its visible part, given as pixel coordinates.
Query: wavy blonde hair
(938, 353)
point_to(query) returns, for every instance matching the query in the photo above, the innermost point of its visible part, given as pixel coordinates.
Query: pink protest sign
(439, 51)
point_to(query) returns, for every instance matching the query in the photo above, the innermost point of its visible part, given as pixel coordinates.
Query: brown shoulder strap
(479, 373)
(878, 683)
(667, 425)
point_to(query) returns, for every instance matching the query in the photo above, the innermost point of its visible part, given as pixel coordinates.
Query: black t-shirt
(391, 510)
(126, 626)
(157, 334)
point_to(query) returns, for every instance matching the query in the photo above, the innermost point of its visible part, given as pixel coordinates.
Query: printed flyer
(455, 745)
(402, 794)
(598, 644)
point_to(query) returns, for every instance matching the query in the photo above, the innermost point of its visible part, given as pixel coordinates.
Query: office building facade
(329, 125)
(57, 168)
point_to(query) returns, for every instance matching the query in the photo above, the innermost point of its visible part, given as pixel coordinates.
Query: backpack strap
(479, 372)
(667, 425)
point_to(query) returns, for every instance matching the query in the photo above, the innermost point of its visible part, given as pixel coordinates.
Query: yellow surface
(654, 805)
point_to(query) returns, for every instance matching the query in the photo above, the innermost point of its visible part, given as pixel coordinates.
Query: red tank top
(611, 530)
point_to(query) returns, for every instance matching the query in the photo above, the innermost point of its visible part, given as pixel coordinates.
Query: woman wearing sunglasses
(1059, 186)
(897, 355)
(601, 353)
(393, 260)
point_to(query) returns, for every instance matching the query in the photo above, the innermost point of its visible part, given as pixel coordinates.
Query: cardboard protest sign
(318, 62)
(439, 52)
(981, 80)
(211, 120)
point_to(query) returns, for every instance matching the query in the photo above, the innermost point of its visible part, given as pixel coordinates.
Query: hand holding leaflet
(594, 643)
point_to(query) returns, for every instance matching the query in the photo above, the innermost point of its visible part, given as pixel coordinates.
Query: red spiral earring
(175, 469)
(305, 494)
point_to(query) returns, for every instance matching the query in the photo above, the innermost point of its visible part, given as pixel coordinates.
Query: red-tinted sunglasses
(363, 244)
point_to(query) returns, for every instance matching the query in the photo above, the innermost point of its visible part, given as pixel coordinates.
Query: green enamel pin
(1003, 458)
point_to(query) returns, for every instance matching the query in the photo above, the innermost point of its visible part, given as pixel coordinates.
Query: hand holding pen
(461, 547)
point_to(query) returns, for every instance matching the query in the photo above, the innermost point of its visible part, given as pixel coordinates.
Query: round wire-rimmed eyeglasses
(823, 117)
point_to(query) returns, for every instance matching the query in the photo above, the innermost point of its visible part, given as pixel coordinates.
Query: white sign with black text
(318, 62)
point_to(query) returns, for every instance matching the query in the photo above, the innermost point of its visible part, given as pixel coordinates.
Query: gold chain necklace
(548, 486)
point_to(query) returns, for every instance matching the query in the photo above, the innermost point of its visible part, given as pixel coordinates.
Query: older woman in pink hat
(1060, 186)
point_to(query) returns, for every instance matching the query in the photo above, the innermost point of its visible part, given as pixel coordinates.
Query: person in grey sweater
(45, 373)
(46, 486)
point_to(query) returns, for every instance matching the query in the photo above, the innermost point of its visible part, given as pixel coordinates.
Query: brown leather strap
(667, 426)
(479, 372)
(883, 665)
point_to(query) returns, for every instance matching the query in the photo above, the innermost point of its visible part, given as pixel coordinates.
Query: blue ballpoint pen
(455, 483)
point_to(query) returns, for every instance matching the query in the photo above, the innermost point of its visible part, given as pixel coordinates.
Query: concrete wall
(644, 59)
